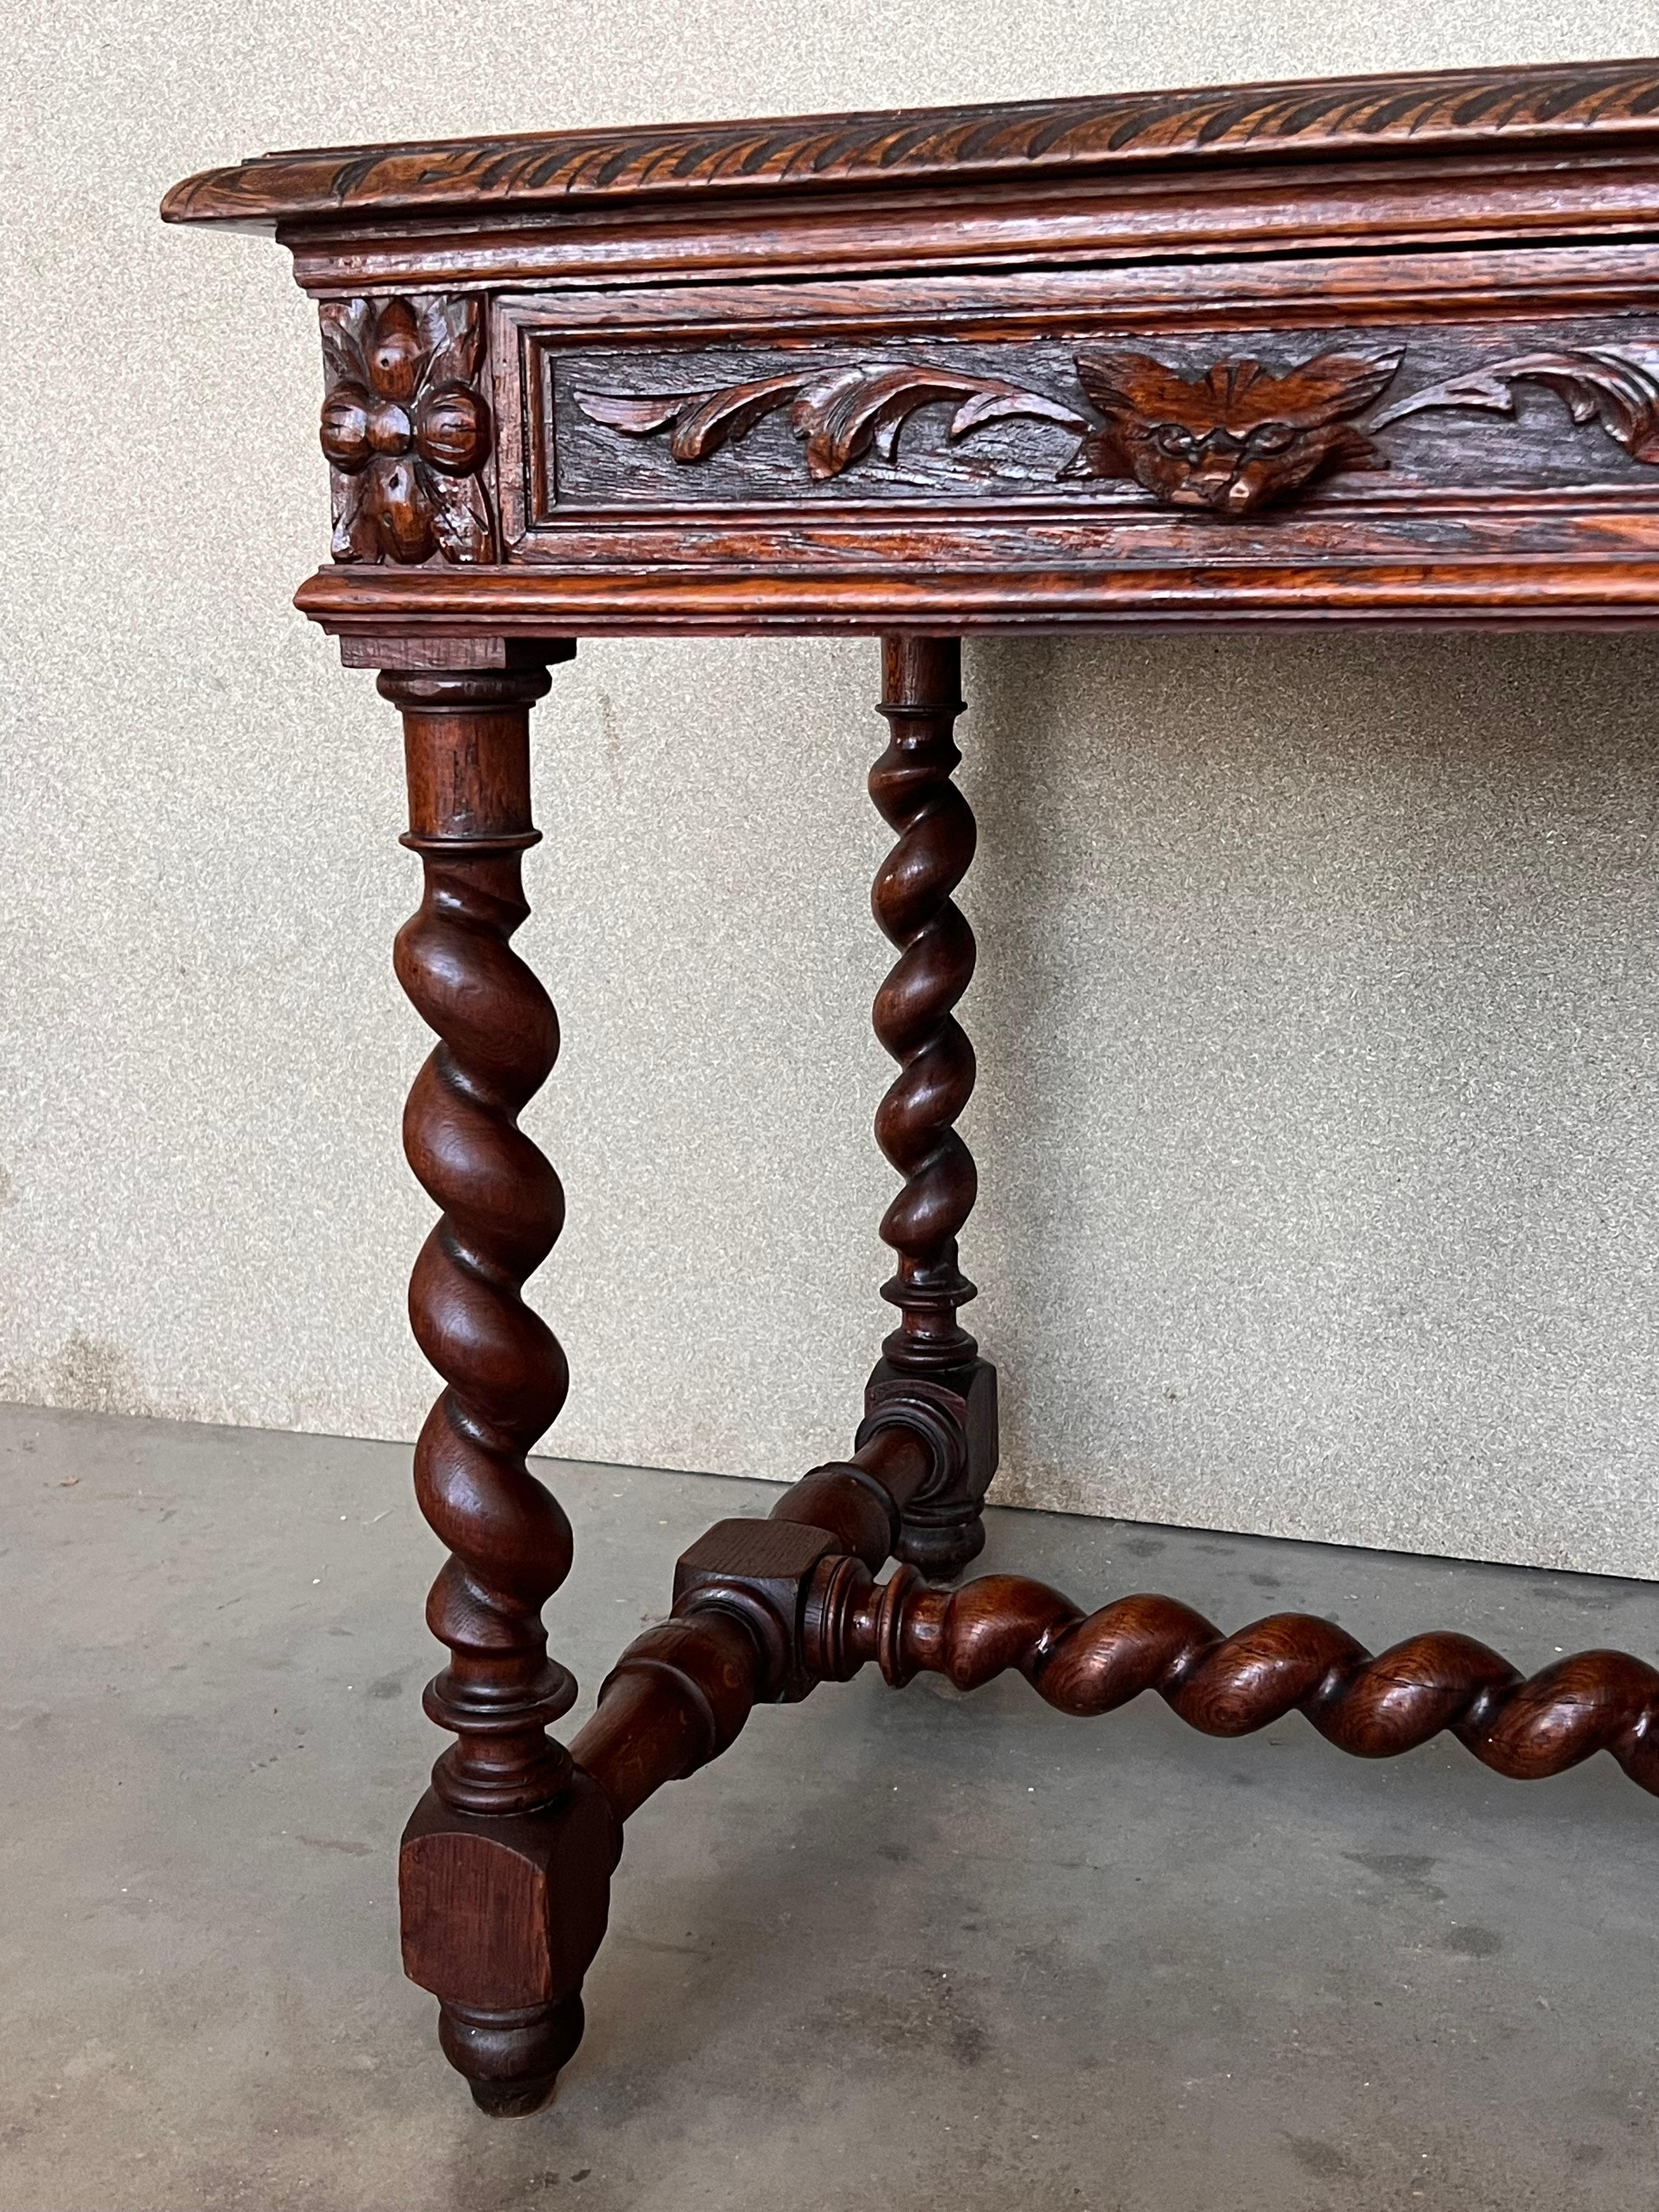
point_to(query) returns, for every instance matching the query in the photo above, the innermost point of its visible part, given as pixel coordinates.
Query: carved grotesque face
(1235, 439)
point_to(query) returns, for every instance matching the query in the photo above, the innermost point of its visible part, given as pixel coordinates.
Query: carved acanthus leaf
(635, 418)
(1230, 442)
(839, 413)
(1237, 438)
(1612, 389)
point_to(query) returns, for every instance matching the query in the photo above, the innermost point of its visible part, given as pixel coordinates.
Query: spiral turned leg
(506, 1863)
(930, 1378)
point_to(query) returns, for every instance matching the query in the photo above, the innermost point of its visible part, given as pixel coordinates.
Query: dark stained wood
(1584, 586)
(885, 456)
(861, 1501)
(946, 420)
(468, 752)
(1227, 1686)
(1379, 351)
(911, 786)
(760, 1571)
(1236, 438)
(1136, 390)
(405, 429)
(680, 1694)
(1577, 105)
(678, 1697)
(1413, 294)
(930, 1378)
(1349, 206)
(501, 1918)
(509, 1823)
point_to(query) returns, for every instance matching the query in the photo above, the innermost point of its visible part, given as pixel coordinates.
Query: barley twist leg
(930, 1376)
(505, 1861)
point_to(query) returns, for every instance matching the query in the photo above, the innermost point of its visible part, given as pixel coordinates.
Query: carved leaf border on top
(1581, 103)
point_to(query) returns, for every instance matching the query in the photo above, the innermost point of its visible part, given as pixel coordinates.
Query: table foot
(510, 2060)
(502, 1918)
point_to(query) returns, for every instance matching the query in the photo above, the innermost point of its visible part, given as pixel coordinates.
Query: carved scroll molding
(406, 429)
(1229, 442)
(1576, 103)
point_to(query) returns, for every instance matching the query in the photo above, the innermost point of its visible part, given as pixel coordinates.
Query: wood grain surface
(914, 420)
(1374, 350)
(1568, 104)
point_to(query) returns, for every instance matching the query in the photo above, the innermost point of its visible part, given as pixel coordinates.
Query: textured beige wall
(1317, 1008)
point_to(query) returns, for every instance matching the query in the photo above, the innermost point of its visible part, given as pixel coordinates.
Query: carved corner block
(406, 429)
(502, 1918)
(762, 1572)
(955, 1411)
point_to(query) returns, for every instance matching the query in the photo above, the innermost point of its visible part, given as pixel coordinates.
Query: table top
(1377, 350)
(1567, 106)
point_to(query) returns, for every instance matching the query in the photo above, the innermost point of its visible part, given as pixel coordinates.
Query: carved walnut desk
(1380, 351)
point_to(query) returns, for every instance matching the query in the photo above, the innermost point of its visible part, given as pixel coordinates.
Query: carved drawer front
(1314, 408)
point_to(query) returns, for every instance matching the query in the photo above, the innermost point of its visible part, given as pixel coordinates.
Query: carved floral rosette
(406, 430)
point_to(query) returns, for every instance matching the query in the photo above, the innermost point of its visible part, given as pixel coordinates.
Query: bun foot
(510, 2060)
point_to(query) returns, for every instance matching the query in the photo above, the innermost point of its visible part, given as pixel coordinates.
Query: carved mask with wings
(1235, 439)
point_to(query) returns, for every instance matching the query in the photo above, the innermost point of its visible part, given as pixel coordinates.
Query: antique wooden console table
(1372, 351)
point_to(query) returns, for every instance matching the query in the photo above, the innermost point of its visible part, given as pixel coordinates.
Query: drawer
(1437, 406)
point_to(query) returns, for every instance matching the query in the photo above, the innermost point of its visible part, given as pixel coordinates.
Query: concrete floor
(912, 1950)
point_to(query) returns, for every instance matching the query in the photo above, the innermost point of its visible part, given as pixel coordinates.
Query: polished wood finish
(510, 1833)
(1572, 106)
(911, 786)
(930, 1376)
(1379, 350)
(681, 1693)
(1226, 1685)
(406, 429)
(468, 745)
(1008, 368)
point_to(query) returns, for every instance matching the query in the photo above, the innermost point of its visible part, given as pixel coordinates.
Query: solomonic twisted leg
(507, 1860)
(930, 1376)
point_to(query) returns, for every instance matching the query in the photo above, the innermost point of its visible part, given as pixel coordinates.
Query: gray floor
(911, 1950)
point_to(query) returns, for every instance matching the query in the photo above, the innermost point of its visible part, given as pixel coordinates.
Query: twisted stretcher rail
(1226, 1685)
